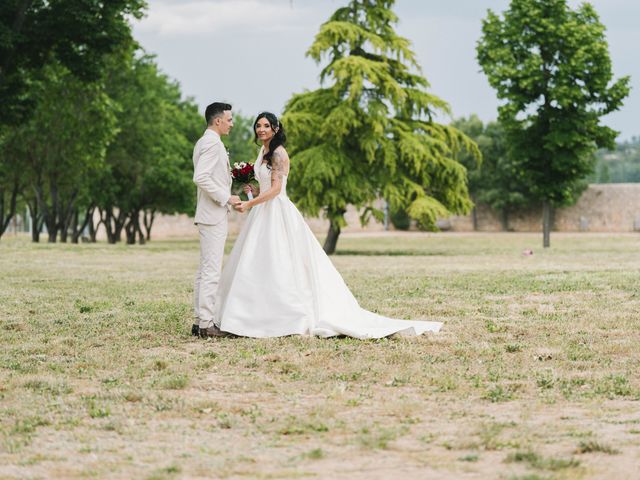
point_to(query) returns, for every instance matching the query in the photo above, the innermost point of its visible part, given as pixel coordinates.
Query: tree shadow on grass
(390, 253)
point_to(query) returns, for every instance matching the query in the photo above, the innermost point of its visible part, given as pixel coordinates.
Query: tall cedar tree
(550, 64)
(370, 130)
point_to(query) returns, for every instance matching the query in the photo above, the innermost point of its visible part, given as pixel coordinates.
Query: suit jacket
(212, 176)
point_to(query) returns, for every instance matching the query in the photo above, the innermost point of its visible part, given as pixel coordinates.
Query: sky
(251, 53)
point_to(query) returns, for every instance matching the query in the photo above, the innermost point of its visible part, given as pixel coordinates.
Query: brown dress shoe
(195, 330)
(212, 331)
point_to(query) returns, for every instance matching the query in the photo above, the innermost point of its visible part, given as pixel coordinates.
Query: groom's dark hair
(215, 110)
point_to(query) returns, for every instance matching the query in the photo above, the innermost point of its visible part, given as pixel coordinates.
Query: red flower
(242, 176)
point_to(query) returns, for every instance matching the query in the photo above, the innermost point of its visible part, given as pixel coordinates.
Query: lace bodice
(263, 175)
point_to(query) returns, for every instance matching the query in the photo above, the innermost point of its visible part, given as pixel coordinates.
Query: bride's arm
(279, 163)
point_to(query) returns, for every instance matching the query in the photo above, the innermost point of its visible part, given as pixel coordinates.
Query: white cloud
(196, 17)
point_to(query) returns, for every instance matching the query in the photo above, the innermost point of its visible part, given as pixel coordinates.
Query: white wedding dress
(278, 280)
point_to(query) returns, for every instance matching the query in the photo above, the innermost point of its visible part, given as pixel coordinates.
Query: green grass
(594, 446)
(534, 375)
(539, 462)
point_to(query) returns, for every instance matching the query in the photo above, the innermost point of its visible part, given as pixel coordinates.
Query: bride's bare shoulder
(281, 151)
(280, 161)
(280, 155)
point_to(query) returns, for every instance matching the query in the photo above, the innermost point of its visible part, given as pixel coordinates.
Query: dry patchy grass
(535, 374)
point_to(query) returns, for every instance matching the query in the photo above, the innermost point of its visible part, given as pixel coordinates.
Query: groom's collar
(208, 131)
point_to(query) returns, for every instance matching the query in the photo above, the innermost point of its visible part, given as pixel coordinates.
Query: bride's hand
(250, 188)
(242, 207)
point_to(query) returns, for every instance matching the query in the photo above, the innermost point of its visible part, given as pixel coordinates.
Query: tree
(239, 142)
(77, 34)
(551, 67)
(371, 131)
(61, 146)
(497, 181)
(620, 166)
(149, 162)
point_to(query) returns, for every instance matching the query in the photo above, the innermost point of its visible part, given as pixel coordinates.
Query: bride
(278, 280)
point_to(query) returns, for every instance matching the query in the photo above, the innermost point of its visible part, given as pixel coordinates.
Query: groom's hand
(242, 207)
(234, 200)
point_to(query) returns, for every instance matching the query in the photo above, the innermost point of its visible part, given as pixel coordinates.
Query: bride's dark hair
(279, 137)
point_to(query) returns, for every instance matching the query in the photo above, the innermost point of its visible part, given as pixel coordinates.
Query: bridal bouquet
(242, 174)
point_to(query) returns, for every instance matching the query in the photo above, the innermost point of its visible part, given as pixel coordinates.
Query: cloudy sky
(251, 53)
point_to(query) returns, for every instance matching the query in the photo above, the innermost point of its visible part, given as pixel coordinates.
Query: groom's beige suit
(213, 178)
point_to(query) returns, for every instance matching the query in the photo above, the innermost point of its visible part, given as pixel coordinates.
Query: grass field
(535, 374)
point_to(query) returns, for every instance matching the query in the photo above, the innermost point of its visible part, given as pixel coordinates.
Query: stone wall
(601, 208)
(611, 207)
(180, 226)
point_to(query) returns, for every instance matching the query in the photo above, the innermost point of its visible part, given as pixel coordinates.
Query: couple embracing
(277, 280)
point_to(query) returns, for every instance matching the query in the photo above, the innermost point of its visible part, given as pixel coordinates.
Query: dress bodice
(263, 175)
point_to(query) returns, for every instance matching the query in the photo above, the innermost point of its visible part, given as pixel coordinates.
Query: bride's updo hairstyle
(279, 137)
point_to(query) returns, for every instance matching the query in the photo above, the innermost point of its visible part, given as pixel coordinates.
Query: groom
(213, 178)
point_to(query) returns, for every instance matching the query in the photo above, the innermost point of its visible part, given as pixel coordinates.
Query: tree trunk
(130, 230)
(64, 232)
(332, 239)
(1, 212)
(74, 226)
(334, 232)
(64, 223)
(504, 219)
(36, 221)
(66, 217)
(546, 223)
(149, 217)
(53, 225)
(36, 227)
(120, 221)
(76, 230)
(474, 218)
(105, 218)
(136, 223)
(113, 224)
(4, 220)
(49, 216)
(93, 228)
(3, 223)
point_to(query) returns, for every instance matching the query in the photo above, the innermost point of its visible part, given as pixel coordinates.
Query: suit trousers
(212, 239)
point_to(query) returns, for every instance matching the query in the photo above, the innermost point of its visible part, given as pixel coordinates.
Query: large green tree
(370, 132)
(122, 144)
(76, 34)
(496, 182)
(61, 147)
(550, 65)
(148, 165)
